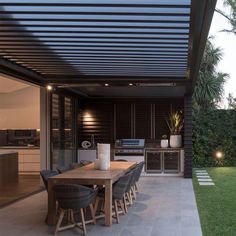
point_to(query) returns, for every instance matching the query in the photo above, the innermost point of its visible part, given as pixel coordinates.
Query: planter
(175, 141)
(164, 143)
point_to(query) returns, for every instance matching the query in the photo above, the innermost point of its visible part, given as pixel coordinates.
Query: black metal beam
(115, 5)
(17, 71)
(15, 27)
(70, 79)
(90, 37)
(14, 42)
(68, 47)
(72, 51)
(76, 13)
(11, 32)
(100, 57)
(201, 17)
(164, 20)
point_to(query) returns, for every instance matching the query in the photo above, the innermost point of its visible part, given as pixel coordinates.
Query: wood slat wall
(96, 119)
(188, 146)
(113, 119)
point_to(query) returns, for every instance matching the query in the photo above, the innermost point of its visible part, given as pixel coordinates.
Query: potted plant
(175, 124)
(164, 141)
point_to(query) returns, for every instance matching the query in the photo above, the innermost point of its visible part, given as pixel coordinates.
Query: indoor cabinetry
(28, 160)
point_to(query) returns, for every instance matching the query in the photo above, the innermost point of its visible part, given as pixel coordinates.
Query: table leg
(51, 216)
(108, 202)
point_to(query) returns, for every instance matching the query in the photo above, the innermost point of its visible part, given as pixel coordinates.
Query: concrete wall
(20, 109)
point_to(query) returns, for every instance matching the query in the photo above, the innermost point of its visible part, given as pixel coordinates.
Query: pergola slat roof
(84, 38)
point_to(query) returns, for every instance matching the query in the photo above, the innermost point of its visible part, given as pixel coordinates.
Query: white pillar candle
(103, 153)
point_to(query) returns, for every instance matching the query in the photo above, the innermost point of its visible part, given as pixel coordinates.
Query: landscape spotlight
(219, 154)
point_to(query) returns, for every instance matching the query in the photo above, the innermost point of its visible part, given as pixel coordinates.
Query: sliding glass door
(63, 130)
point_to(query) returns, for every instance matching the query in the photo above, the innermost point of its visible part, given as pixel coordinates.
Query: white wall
(20, 109)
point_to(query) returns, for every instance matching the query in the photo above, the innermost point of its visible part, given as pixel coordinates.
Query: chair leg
(92, 213)
(61, 216)
(125, 205)
(72, 216)
(82, 220)
(116, 211)
(133, 192)
(130, 198)
(136, 187)
(96, 205)
(122, 206)
(98, 199)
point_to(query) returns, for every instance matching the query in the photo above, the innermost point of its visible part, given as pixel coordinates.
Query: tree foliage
(232, 102)
(231, 16)
(209, 88)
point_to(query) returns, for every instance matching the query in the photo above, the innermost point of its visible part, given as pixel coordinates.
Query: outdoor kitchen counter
(8, 167)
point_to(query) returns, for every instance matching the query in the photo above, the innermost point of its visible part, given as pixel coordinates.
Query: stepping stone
(206, 183)
(203, 177)
(200, 171)
(201, 174)
(205, 180)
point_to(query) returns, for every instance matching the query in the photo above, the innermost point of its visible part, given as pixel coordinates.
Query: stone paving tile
(165, 206)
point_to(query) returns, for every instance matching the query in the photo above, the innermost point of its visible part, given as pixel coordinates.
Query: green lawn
(217, 204)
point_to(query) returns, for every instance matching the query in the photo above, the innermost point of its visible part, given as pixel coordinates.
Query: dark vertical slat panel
(162, 111)
(143, 120)
(188, 146)
(123, 120)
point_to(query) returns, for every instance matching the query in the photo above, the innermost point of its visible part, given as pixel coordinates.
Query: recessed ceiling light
(106, 85)
(130, 84)
(49, 87)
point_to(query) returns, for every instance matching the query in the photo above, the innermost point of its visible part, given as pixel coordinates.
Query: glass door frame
(62, 95)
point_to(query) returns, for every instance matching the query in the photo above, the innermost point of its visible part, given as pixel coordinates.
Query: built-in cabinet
(158, 160)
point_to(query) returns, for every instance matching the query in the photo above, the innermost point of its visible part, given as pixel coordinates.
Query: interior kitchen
(19, 139)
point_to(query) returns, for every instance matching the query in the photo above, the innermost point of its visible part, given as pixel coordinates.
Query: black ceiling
(79, 40)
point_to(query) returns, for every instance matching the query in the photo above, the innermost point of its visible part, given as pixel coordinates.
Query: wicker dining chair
(45, 174)
(73, 198)
(137, 175)
(63, 169)
(118, 193)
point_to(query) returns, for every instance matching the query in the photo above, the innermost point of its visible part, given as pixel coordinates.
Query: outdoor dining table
(88, 175)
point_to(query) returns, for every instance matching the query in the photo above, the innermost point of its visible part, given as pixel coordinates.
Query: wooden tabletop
(89, 172)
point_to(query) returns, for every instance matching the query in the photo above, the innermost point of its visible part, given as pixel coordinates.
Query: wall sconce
(49, 87)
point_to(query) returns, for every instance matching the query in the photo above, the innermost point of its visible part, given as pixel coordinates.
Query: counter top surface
(6, 152)
(18, 147)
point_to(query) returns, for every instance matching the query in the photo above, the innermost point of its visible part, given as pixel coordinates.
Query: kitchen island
(28, 158)
(8, 167)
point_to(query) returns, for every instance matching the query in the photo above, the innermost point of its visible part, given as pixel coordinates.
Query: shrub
(214, 130)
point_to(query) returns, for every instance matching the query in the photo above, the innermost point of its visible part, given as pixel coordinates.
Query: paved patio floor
(165, 206)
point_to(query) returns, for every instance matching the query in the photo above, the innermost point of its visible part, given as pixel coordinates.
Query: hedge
(214, 130)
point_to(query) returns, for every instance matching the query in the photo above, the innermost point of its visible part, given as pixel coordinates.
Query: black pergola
(76, 41)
